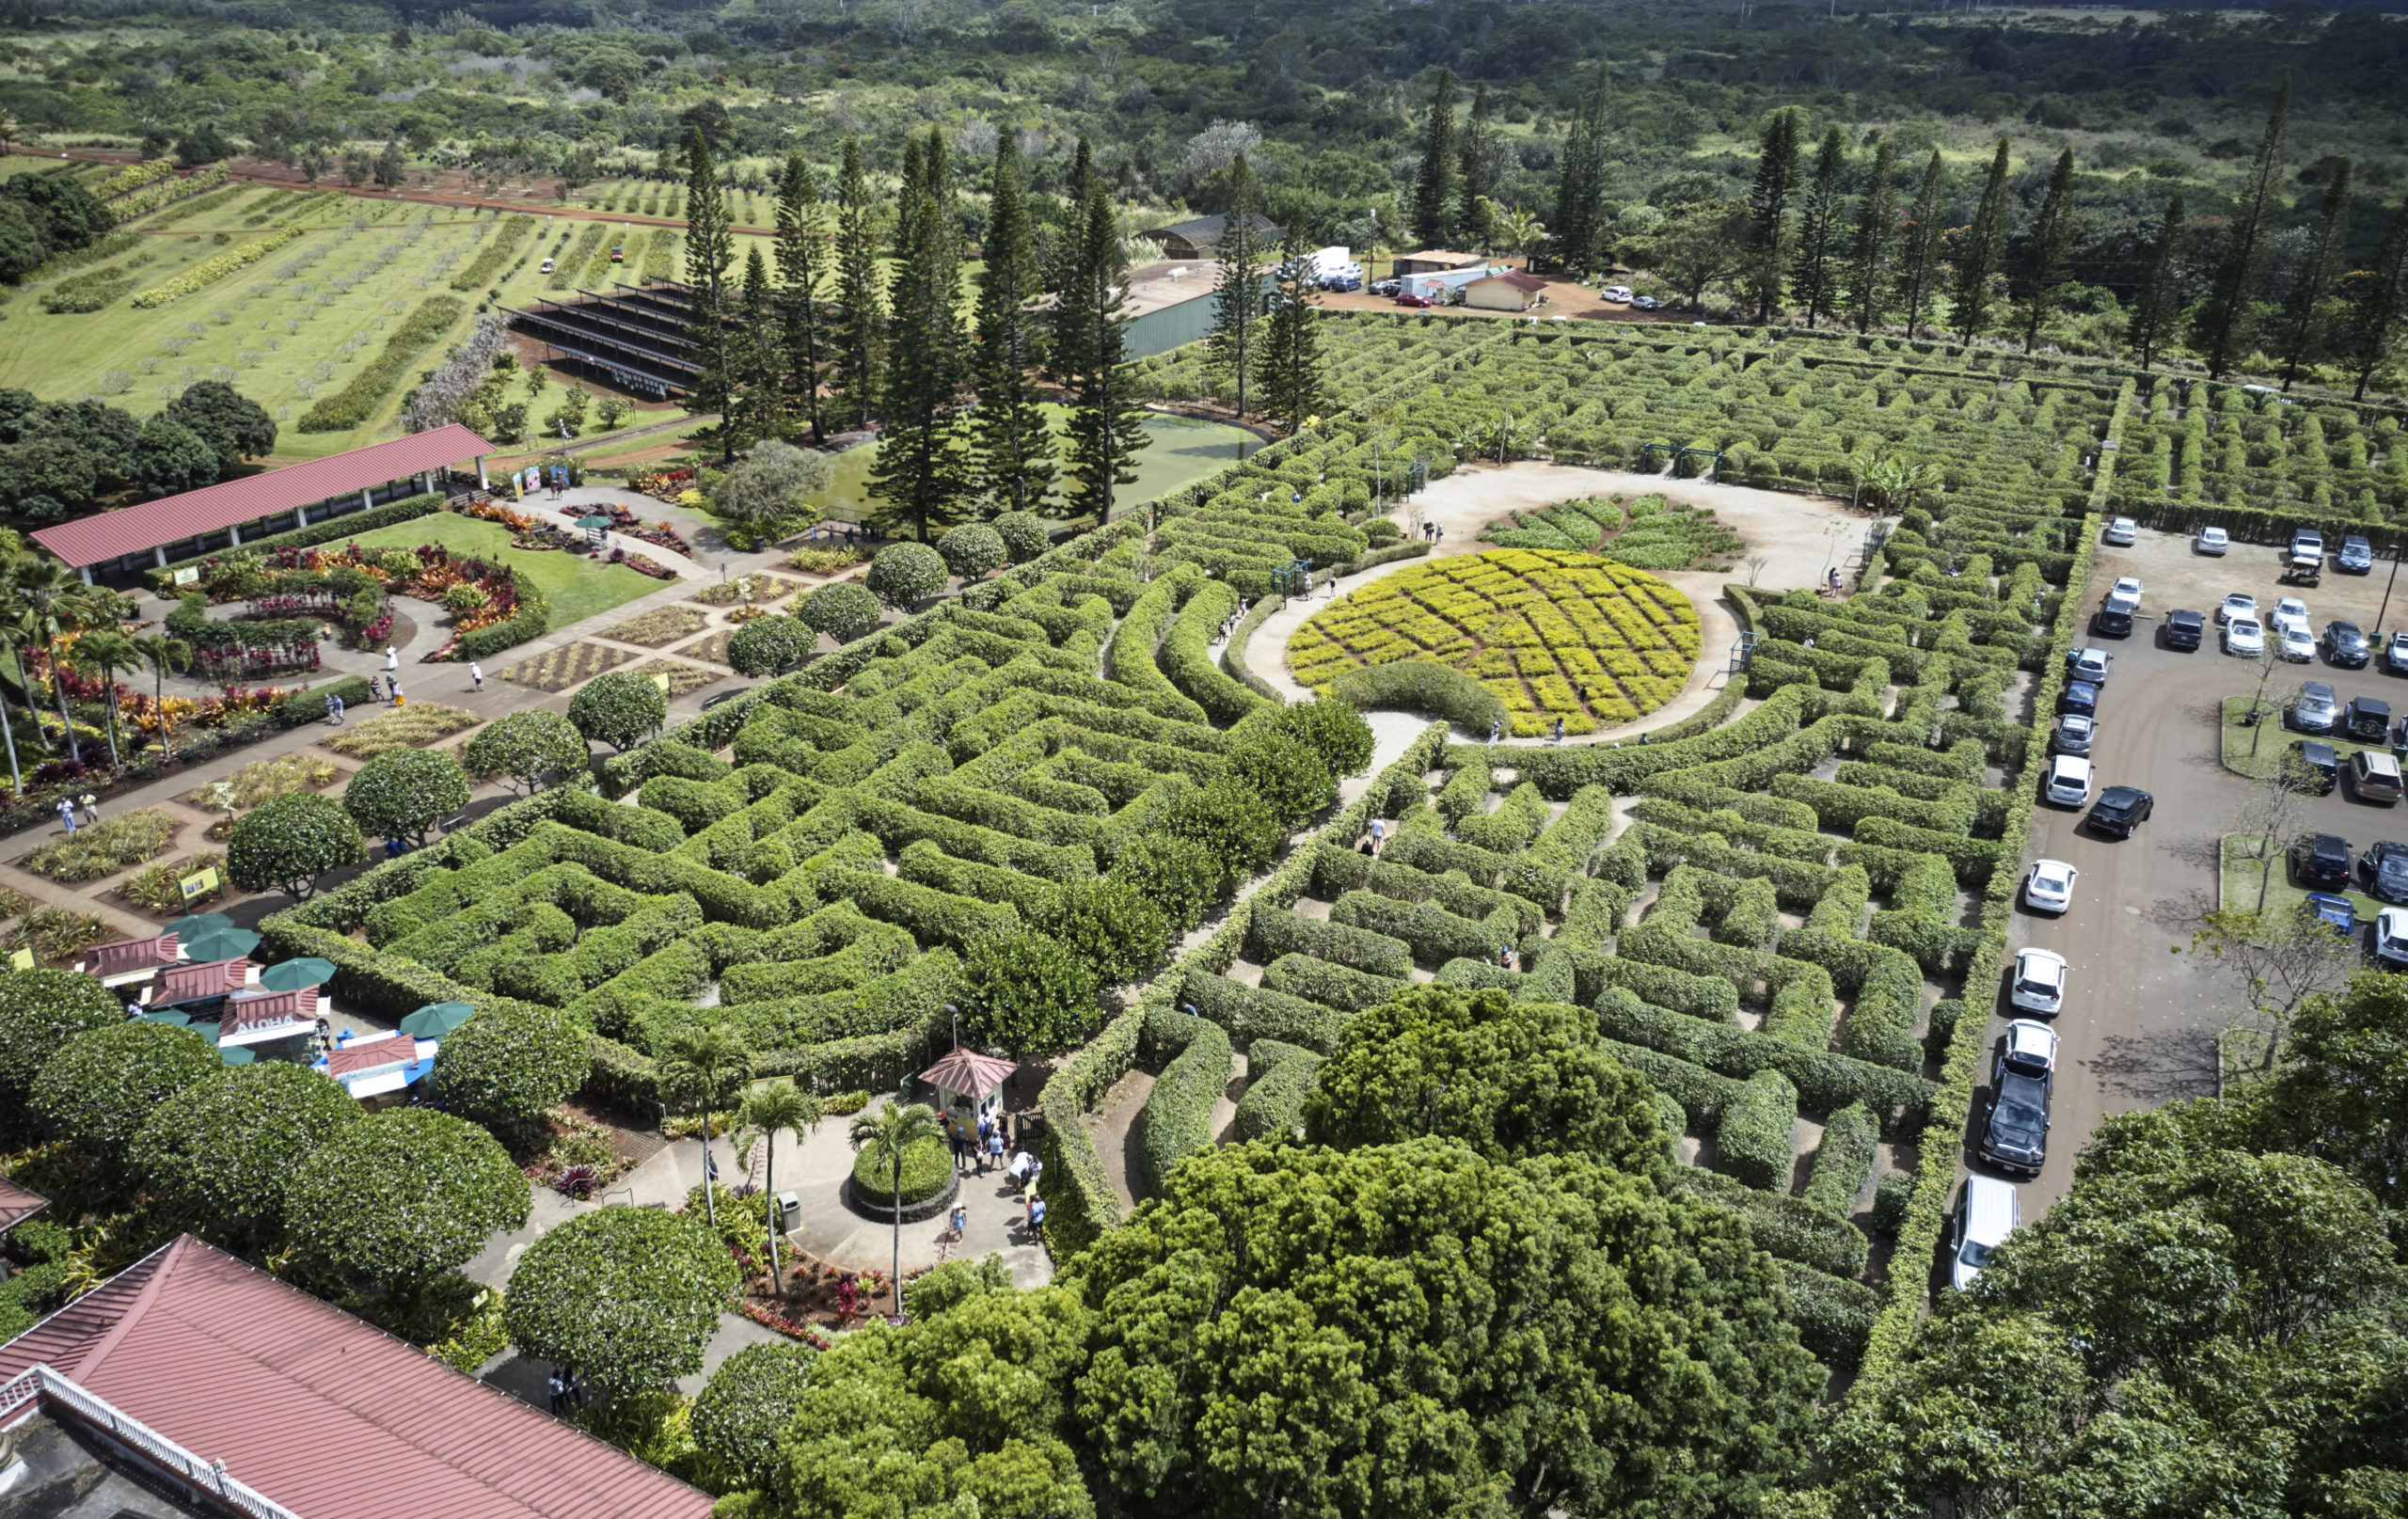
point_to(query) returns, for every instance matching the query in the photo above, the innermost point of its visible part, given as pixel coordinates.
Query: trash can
(790, 1212)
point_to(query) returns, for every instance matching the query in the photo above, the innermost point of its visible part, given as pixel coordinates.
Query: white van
(1616, 293)
(1988, 1215)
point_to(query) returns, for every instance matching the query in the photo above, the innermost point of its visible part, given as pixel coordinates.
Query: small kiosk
(969, 1087)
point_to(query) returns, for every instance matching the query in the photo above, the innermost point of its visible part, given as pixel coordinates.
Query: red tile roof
(325, 1413)
(136, 529)
(966, 1070)
(191, 983)
(370, 1054)
(278, 1007)
(17, 1204)
(131, 955)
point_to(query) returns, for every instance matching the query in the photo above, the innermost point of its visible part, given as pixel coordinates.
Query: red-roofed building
(319, 1413)
(18, 1204)
(218, 517)
(213, 979)
(132, 959)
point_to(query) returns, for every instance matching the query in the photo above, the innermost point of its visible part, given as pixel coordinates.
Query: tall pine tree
(1768, 207)
(757, 353)
(1867, 279)
(2160, 293)
(710, 249)
(1433, 190)
(2045, 247)
(1091, 361)
(923, 470)
(1978, 255)
(2304, 304)
(1579, 186)
(858, 340)
(1920, 242)
(2374, 319)
(802, 273)
(1474, 183)
(1237, 293)
(1821, 224)
(2219, 326)
(1016, 455)
(1290, 361)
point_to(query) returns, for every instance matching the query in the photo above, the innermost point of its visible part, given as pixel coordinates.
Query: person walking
(960, 1150)
(395, 687)
(476, 676)
(67, 813)
(960, 1221)
(577, 1389)
(995, 1146)
(1037, 1218)
(1496, 729)
(1379, 834)
(559, 1389)
(1559, 730)
(392, 659)
(91, 806)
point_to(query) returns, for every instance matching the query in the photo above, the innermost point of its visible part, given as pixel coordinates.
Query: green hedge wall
(1278, 1076)
(1752, 1142)
(1843, 1161)
(1177, 1120)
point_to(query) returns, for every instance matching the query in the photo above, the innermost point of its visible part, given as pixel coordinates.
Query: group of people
(974, 1146)
(388, 686)
(1433, 532)
(567, 1391)
(978, 1144)
(67, 809)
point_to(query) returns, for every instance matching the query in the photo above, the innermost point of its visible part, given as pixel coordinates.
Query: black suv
(2322, 860)
(2017, 1137)
(2120, 810)
(2321, 761)
(2344, 646)
(2185, 629)
(2385, 869)
(2367, 718)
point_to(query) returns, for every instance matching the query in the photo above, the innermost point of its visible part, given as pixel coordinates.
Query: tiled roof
(966, 1070)
(191, 983)
(323, 1412)
(17, 1204)
(261, 1007)
(136, 529)
(131, 955)
(368, 1055)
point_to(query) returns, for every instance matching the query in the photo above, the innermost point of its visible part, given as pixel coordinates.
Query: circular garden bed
(928, 1182)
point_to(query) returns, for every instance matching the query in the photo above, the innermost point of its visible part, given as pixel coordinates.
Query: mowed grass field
(577, 588)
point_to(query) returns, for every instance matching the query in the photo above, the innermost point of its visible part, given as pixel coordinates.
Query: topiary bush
(747, 1404)
(971, 550)
(522, 748)
(618, 707)
(1024, 536)
(41, 1012)
(1752, 1141)
(403, 793)
(666, 1278)
(101, 1087)
(226, 1149)
(404, 1195)
(510, 1062)
(286, 843)
(843, 610)
(766, 646)
(928, 1169)
(905, 573)
(1423, 687)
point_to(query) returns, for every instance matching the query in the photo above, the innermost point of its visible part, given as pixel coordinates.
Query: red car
(1412, 300)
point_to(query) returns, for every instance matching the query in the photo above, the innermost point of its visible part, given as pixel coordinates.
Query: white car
(2031, 1048)
(2244, 637)
(2296, 644)
(2211, 541)
(1984, 1220)
(2039, 982)
(2126, 586)
(2391, 936)
(2238, 604)
(2123, 533)
(2069, 781)
(1616, 293)
(2048, 886)
(2289, 609)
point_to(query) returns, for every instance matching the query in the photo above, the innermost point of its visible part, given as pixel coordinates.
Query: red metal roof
(191, 983)
(966, 1070)
(325, 1413)
(136, 529)
(370, 1054)
(253, 1009)
(132, 955)
(17, 1204)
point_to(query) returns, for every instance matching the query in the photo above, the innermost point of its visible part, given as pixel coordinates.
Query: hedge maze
(1553, 634)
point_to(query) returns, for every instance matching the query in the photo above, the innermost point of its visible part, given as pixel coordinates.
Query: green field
(577, 588)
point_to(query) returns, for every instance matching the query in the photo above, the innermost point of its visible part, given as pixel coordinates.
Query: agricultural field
(1553, 634)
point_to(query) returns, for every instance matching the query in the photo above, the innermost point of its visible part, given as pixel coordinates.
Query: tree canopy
(626, 1296)
(404, 1195)
(101, 1087)
(511, 1062)
(226, 1149)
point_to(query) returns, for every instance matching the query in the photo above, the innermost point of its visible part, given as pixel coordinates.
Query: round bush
(286, 843)
(1333, 730)
(1023, 533)
(928, 1169)
(766, 645)
(625, 1296)
(511, 1062)
(904, 573)
(748, 1403)
(843, 609)
(226, 1146)
(102, 1087)
(1026, 992)
(403, 793)
(523, 746)
(404, 1194)
(39, 1012)
(1288, 776)
(971, 550)
(618, 707)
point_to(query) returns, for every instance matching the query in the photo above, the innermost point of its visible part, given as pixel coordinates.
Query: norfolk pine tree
(1977, 257)
(2305, 302)
(757, 353)
(1105, 426)
(802, 270)
(859, 341)
(1769, 205)
(1291, 357)
(2044, 248)
(1919, 241)
(1815, 277)
(1237, 294)
(1016, 449)
(1433, 187)
(1474, 182)
(2219, 326)
(2154, 307)
(922, 473)
(1578, 187)
(1876, 236)
(2374, 320)
(710, 249)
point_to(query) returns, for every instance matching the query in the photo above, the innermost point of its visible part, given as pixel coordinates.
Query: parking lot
(2140, 1011)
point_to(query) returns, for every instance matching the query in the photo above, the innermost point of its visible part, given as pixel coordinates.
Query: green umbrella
(198, 925)
(295, 975)
(236, 1056)
(207, 1031)
(220, 944)
(597, 520)
(435, 1020)
(175, 1016)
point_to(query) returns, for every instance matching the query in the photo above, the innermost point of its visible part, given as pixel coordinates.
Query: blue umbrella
(296, 975)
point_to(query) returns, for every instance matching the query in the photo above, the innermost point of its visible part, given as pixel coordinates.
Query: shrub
(1434, 933)
(40, 1013)
(666, 1276)
(356, 402)
(1424, 686)
(1341, 987)
(406, 1195)
(971, 550)
(1290, 776)
(101, 849)
(927, 1170)
(1752, 1141)
(1109, 924)
(1177, 875)
(842, 610)
(747, 1404)
(100, 1087)
(1027, 994)
(1333, 730)
(523, 746)
(1278, 1076)
(1834, 1317)
(618, 707)
(1843, 1161)
(1024, 536)
(905, 573)
(1251, 1013)
(1891, 1195)
(225, 1148)
(1177, 1120)
(288, 842)
(405, 793)
(1236, 827)
(766, 646)
(510, 1062)
(1271, 932)
(1784, 1226)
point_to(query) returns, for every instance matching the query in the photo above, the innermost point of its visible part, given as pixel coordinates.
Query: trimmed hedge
(1835, 1316)
(1782, 1227)
(1341, 987)
(1434, 933)
(1251, 1013)
(1186, 655)
(1826, 1082)
(1278, 1076)
(1843, 1161)
(1752, 1142)
(1695, 996)
(1177, 1120)
(1424, 686)
(1271, 932)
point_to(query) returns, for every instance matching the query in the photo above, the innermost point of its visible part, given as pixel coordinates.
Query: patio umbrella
(198, 925)
(220, 944)
(597, 520)
(296, 975)
(236, 1056)
(174, 1016)
(437, 1020)
(207, 1031)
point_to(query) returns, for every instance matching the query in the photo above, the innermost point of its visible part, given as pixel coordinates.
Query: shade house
(966, 1079)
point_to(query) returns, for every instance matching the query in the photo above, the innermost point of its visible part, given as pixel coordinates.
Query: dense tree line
(58, 458)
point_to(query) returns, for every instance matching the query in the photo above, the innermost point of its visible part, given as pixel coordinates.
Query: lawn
(2241, 877)
(2251, 751)
(577, 588)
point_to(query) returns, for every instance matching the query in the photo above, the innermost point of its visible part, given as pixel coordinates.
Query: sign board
(199, 885)
(21, 960)
(188, 576)
(660, 678)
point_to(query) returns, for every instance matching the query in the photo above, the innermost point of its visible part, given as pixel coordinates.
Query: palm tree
(1518, 231)
(887, 1138)
(768, 1109)
(54, 603)
(706, 1061)
(103, 653)
(1894, 480)
(16, 631)
(165, 656)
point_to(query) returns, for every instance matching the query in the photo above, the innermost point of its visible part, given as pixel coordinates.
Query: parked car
(2315, 709)
(2068, 784)
(2335, 912)
(2238, 604)
(2290, 612)
(2321, 761)
(1387, 286)
(2367, 719)
(2345, 646)
(2295, 646)
(2120, 810)
(2048, 886)
(2039, 984)
(2185, 629)
(2306, 545)
(2356, 555)
(2385, 869)
(2321, 860)
(2080, 696)
(1645, 302)
(2030, 1047)
(2015, 1138)
(1986, 1216)
(2123, 533)
(1420, 302)
(1341, 284)
(2395, 654)
(2374, 776)
(2074, 734)
(2088, 664)
(2126, 585)
(2214, 541)
(1616, 293)
(2115, 616)
(2391, 936)
(2244, 638)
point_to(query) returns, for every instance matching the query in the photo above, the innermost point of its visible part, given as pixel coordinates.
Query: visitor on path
(398, 700)
(577, 1389)
(334, 710)
(994, 1149)
(392, 659)
(67, 813)
(1559, 730)
(1036, 1217)
(1505, 957)
(1017, 1170)
(558, 1386)
(1379, 834)
(91, 806)
(960, 1221)
(1496, 730)
(476, 676)
(960, 1148)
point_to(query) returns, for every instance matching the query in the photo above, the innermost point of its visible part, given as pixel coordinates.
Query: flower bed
(811, 1335)
(665, 484)
(1552, 634)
